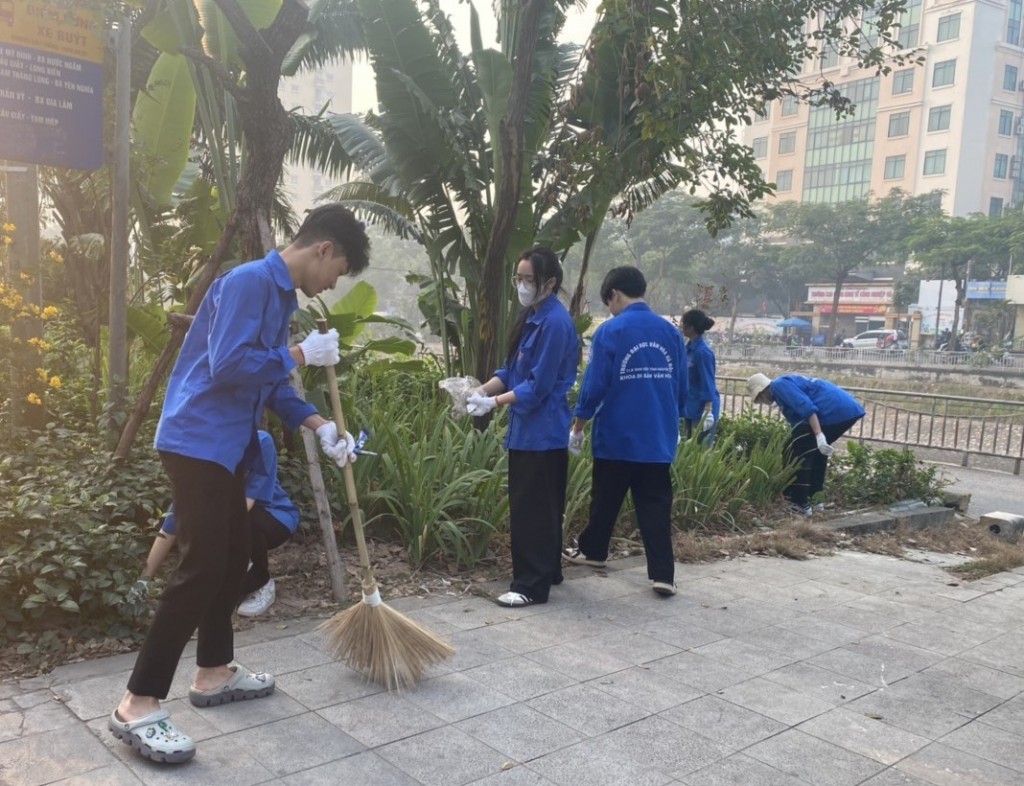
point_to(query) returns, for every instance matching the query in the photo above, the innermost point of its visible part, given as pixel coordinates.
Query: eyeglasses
(517, 280)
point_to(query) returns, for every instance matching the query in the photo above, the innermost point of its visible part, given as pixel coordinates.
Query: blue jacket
(700, 366)
(541, 374)
(800, 397)
(234, 362)
(261, 486)
(635, 387)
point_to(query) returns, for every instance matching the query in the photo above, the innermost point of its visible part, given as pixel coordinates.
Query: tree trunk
(506, 200)
(840, 280)
(578, 295)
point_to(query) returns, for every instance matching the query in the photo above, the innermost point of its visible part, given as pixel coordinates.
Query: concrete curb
(915, 515)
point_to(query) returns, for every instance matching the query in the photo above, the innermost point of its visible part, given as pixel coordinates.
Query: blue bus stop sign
(51, 84)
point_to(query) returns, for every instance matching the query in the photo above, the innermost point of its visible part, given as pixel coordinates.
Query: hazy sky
(576, 29)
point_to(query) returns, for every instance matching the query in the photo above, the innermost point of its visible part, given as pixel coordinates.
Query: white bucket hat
(756, 384)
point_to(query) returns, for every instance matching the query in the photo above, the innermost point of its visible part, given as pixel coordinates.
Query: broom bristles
(385, 645)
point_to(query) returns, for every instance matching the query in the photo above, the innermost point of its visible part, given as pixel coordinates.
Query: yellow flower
(56, 257)
(41, 373)
(8, 240)
(50, 312)
(32, 398)
(39, 344)
(55, 383)
(8, 227)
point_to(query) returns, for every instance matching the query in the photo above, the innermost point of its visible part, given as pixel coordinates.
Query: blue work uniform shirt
(700, 366)
(800, 397)
(540, 375)
(262, 487)
(233, 363)
(634, 387)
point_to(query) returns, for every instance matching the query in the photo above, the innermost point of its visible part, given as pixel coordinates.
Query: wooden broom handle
(369, 585)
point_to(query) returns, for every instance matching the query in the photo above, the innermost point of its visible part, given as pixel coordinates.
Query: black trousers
(213, 539)
(265, 533)
(810, 476)
(651, 485)
(536, 500)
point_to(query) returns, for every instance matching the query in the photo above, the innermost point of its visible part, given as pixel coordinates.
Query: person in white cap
(818, 413)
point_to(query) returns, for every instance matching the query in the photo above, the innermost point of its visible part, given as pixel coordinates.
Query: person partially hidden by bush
(818, 413)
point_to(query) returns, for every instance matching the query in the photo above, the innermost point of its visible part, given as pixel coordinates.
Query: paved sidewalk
(850, 669)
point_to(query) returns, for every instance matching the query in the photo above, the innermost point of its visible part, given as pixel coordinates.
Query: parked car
(877, 339)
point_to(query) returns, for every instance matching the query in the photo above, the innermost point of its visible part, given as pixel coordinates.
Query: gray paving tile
(645, 688)
(995, 745)
(475, 612)
(527, 635)
(577, 661)
(42, 758)
(664, 746)
(519, 732)
(454, 697)
(1001, 653)
(703, 673)
(286, 655)
(95, 697)
(818, 682)
(726, 723)
(803, 756)
(942, 633)
(519, 678)
(948, 691)
(244, 715)
(876, 661)
(775, 700)
(740, 770)
(322, 686)
(296, 744)
(631, 647)
(856, 732)
(1008, 716)
(364, 769)
(517, 775)
(224, 761)
(822, 629)
(380, 719)
(893, 777)
(679, 634)
(592, 763)
(473, 648)
(925, 717)
(721, 620)
(587, 709)
(944, 766)
(443, 757)
(37, 717)
(744, 657)
(850, 617)
(980, 678)
(785, 641)
(115, 774)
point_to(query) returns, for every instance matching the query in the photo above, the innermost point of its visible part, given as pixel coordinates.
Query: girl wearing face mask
(533, 383)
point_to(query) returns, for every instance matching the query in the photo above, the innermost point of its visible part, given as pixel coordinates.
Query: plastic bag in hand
(460, 389)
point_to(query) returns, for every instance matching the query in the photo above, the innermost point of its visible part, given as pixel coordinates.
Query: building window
(760, 147)
(935, 162)
(1005, 122)
(995, 207)
(910, 24)
(895, 167)
(830, 57)
(899, 124)
(761, 118)
(784, 180)
(938, 118)
(944, 73)
(1013, 22)
(1010, 78)
(903, 82)
(787, 142)
(790, 106)
(949, 27)
(1001, 167)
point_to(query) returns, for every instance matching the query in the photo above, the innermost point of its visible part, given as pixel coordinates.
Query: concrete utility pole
(118, 361)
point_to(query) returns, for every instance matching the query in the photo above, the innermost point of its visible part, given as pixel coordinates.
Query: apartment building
(955, 123)
(329, 87)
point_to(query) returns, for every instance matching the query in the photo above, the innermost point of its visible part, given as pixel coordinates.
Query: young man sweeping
(234, 362)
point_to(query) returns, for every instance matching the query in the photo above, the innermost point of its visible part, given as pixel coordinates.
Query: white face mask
(527, 294)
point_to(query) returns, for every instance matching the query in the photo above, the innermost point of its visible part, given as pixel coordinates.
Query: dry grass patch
(792, 540)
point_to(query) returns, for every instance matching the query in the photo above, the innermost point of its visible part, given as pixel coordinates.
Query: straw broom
(385, 645)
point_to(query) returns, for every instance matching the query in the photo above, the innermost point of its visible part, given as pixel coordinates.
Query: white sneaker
(259, 601)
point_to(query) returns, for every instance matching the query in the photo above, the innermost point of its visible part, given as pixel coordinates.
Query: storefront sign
(51, 84)
(826, 308)
(986, 290)
(852, 293)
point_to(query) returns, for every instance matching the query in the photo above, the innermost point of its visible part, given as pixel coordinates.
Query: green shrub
(861, 476)
(74, 531)
(751, 428)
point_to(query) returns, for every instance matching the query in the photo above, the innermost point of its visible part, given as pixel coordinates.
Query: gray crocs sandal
(154, 736)
(243, 685)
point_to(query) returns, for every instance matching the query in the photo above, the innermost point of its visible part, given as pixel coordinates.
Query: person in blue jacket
(234, 363)
(543, 351)
(634, 389)
(273, 519)
(703, 404)
(818, 413)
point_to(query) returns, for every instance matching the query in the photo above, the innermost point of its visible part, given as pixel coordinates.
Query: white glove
(823, 447)
(321, 349)
(340, 448)
(576, 440)
(707, 423)
(479, 404)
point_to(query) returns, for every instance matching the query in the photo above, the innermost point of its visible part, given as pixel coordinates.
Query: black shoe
(577, 557)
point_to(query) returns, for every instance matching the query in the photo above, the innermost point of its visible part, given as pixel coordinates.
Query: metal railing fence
(890, 357)
(963, 425)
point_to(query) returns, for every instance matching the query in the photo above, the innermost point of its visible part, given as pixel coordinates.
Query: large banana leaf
(334, 31)
(162, 122)
(219, 40)
(149, 325)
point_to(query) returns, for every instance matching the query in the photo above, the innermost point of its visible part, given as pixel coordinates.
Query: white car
(877, 339)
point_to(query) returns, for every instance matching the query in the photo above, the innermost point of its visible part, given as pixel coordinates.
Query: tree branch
(220, 73)
(248, 36)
